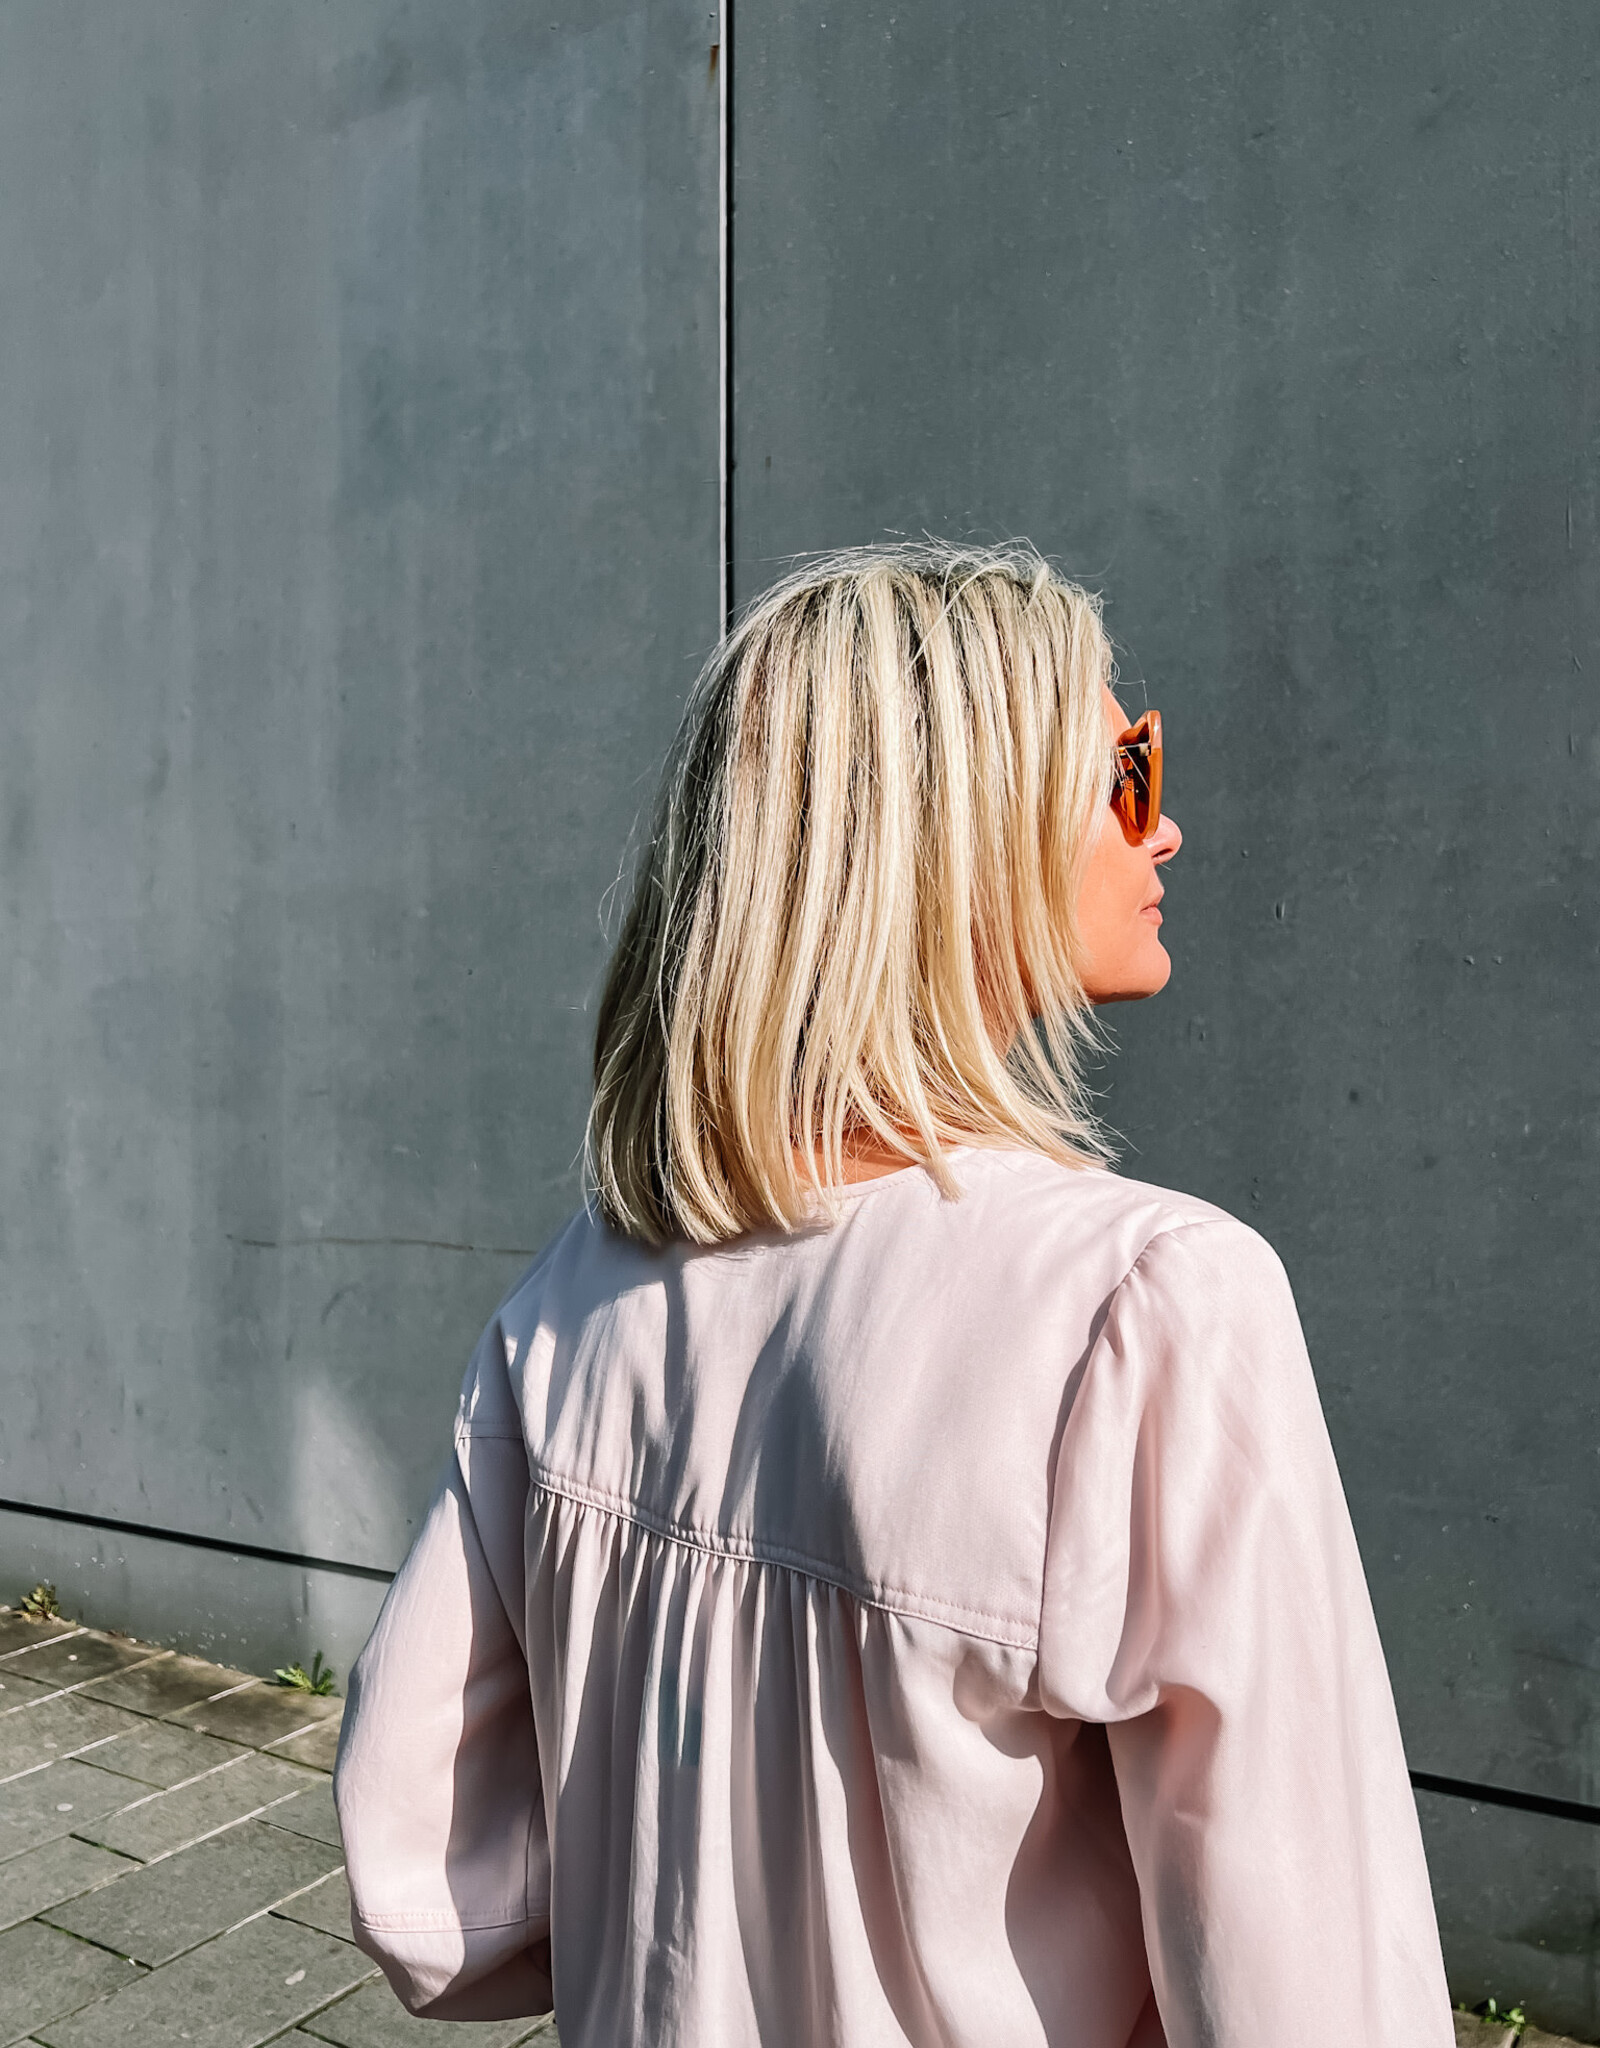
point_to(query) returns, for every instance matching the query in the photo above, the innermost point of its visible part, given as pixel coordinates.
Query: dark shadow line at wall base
(1499, 1795)
(232, 1549)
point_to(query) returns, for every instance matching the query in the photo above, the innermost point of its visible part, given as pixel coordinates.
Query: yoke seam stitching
(890, 1599)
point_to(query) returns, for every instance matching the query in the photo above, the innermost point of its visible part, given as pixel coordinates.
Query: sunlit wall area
(359, 536)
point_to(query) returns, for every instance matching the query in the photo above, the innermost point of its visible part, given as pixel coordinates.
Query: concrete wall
(359, 533)
(359, 536)
(1279, 324)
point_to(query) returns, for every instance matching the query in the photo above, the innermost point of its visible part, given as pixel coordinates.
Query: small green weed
(41, 1604)
(1502, 2015)
(319, 1679)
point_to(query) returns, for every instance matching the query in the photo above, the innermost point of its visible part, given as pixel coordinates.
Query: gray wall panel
(358, 539)
(1281, 325)
(242, 1611)
(1518, 1896)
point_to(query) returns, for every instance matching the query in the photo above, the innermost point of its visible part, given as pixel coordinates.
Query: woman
(893, 1583)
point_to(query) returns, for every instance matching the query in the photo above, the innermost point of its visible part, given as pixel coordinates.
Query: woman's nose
(1165, 840)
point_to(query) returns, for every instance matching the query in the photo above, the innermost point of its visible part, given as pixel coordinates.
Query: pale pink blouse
(942, 1627)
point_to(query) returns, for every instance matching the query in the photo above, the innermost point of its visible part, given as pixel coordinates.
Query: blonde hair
(856, 908)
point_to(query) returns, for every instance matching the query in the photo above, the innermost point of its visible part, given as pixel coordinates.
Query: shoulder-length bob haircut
(856, 910)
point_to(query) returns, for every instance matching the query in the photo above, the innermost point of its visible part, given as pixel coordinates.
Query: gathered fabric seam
(895, 1600)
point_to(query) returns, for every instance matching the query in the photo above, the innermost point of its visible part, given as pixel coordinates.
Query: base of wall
(238, 1610)
(1518, 1896)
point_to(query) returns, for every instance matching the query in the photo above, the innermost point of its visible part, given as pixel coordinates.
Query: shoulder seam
(1191, 1223)
(1156, 1236)
(1166, 1230)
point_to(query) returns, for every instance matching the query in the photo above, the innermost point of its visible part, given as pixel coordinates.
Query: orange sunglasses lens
(1136, 792)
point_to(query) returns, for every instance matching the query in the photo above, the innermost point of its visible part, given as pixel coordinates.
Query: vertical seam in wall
(725, 317)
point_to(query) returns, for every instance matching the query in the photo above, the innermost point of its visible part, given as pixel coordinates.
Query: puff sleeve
(437, 1781)
(1204, 1598)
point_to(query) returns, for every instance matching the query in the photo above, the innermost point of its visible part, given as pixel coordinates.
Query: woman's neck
(865, 1158)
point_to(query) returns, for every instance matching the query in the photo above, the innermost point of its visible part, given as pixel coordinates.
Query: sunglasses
(1136, 785)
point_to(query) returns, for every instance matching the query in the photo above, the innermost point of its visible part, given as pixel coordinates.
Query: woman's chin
(1147, 976)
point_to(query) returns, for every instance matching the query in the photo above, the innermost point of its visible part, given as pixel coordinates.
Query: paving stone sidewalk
(170, 1868)
(1472, 2032)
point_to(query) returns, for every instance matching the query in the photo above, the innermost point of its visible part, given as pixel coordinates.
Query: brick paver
(313, 1746)
(308, 1813)
(170, 1866)
(259, 1714)
(161, 1911)
(55, 1725)
(156, 1754)
(1472, 2032)
(44, 1974)
(234, 1992)
(325, 1904)
(167, 1684)
(373, 2018)
(74, 1660)
(157, 1823)
(58, 1801)
(40, 1878)
(19, 1632)
(17, 1691)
